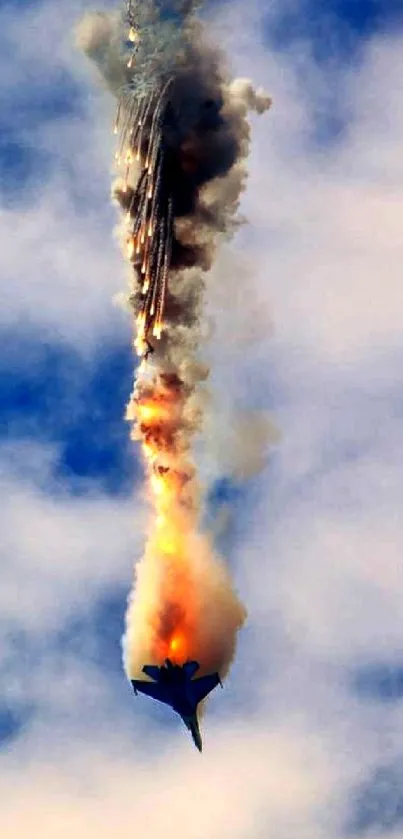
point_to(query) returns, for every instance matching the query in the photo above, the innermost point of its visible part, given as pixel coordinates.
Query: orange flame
(177, 648)
(157, 409)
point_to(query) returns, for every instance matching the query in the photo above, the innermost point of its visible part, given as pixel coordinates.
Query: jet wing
(203, 686)
(150, 689)
(152, 670)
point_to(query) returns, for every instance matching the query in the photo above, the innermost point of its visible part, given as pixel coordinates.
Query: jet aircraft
(173, 685)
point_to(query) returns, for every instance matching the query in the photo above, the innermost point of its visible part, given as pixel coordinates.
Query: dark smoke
(179, 110)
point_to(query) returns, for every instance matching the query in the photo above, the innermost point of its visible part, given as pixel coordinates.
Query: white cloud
(60, 264)
(59, 551)
(246, 783)
(325, 222)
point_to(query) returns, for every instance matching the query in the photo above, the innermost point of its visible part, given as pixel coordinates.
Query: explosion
(183, 141)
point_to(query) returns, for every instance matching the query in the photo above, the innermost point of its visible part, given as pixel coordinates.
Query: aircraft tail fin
(191, 667)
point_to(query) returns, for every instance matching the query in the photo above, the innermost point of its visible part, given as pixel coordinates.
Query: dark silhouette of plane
(173, 685)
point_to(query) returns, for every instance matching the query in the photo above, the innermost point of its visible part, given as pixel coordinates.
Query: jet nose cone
(197, 737)
(197, 740)
(193, 725)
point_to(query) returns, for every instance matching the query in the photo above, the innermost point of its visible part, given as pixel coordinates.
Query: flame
(159, 486)
(140, 346)
(150, 453)
(151, 412)
(177, 648)
(183, 605)
(170, 543)
(130, 249)
(156, 409)
(141, 322)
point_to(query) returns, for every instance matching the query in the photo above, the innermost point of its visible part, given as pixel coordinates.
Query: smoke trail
(183, 145)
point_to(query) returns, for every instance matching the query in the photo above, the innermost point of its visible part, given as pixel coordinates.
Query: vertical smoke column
(182, 149)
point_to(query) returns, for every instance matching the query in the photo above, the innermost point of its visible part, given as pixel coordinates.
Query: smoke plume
(181, 161)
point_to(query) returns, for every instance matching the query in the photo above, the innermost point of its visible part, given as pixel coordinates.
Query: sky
(304, 314)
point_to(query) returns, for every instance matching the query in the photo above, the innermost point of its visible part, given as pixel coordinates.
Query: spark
(130, 249)
(151, 210)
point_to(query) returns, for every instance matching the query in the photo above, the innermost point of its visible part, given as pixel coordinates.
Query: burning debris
(183, 140)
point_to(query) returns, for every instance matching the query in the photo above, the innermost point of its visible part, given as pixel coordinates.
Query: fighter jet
(173, 685)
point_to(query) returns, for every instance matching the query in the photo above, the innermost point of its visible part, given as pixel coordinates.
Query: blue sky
(313, 337)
